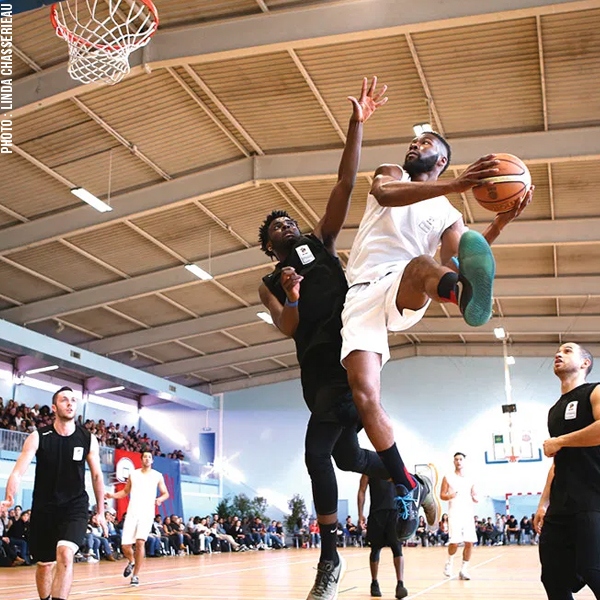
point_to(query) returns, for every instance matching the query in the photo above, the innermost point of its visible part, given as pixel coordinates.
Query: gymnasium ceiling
(238, 107)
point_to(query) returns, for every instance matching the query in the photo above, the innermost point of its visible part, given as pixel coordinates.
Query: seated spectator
(443, 530)
(300, 535)
(501, 527)
(421, 532)
(18, 534)
(8, 553)
(218, 533)
(159, 532)
(315, 534)
(114, 537)
(351, 531)
(513, 530)
(526, 530)
(97, 542)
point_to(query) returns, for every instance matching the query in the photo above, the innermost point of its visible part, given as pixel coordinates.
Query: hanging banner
(126, 462)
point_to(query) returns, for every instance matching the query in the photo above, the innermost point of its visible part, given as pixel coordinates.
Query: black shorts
(381, 529)
(569, 545)
(48, 527)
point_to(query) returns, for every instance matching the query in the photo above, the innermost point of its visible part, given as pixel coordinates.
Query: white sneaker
(448, 570)
(92, 560)
(464, 574)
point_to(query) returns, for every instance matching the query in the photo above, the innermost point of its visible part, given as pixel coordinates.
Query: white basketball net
(101, 35)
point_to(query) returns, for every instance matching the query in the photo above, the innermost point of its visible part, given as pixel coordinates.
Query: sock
(447, 290)
(328, 542)
(465, 564)
(395, 467)
(451, 560)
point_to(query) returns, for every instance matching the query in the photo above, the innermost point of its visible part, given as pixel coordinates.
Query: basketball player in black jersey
(381, 529)
(568, 515)
(305, 296)
(59, 514)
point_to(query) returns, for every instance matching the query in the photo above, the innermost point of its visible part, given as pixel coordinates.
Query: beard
(284, 246)
(418, 166)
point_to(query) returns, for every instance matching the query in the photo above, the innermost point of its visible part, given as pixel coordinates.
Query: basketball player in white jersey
(458, 489)
(141, 488)
(393, 277)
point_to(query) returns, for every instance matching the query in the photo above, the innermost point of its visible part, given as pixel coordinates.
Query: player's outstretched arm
(329, 227)
(501, 220)
(93, 461)
(30, 447)
(121, 493)
(403, 193)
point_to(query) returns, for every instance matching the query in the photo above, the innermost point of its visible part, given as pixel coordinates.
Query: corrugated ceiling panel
(338, 71)
(233, 209)
(484, 78)
(7, 220)
(136, 361)
(576, 186)
(536, 261)
(190, 232)
(127, 172)
(316, 193)
(203, 298)
(23, 287)
(246, 285)
(220, 374)
(289, 359)
(212, 342)
(583, 339)
(259, 333)
(572, 62)
(578, 259)
(47, 121)
(101, 321)
(151, 310)
(67, 335)
(36, 37)
(260, 366)
(29, 191)
(290, 118)
(539, 207)
(279, 4)
(20, 68)
(123, 248)
(527, 306)
(537, 339)
(580, 306)
(178, 12)
(64, 265)
(438, 339)
(157, 115)
(168, 352)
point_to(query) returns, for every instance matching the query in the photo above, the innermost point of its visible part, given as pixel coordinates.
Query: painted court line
(445, 581)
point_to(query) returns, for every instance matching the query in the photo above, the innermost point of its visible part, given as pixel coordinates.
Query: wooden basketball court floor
(497, 573)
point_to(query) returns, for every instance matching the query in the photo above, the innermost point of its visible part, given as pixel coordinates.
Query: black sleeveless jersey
(322, 294)
(60, 469)
(576, 484)
(382, 493)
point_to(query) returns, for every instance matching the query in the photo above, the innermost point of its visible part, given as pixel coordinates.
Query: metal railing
(12, 441)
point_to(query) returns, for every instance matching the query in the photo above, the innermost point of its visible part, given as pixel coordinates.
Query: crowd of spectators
(19, 417)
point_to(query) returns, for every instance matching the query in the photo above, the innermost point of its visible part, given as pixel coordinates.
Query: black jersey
(382, 493)
(60, 469)
(576, 484)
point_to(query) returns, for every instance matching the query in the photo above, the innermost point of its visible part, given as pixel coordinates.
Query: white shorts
(370, 312)
(136, 528)
(461, 530)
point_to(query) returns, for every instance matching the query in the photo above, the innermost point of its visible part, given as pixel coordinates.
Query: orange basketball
(501, 192)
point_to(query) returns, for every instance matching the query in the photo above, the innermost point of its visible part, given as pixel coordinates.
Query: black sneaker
(408, 504)
(477, 268)
(128, 569)
(328, 580)
(401, 591)
(375, 591)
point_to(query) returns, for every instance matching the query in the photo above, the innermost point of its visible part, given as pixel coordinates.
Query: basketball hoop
(101, 35)
(512, 458)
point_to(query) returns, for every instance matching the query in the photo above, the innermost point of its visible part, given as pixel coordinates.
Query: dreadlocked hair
(263, 230)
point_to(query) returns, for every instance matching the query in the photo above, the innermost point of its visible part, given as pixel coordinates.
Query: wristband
(288, 303)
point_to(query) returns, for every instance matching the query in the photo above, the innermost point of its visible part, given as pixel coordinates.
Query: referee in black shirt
(60, 503)
(568, 516)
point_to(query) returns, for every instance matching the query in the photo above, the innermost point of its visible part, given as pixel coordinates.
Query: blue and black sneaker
(408, 504)
(475, 278)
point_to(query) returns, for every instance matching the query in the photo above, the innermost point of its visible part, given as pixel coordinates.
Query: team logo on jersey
(78, 453)
(427, 225)
(124, 469)
(305, 254)
(571, 411)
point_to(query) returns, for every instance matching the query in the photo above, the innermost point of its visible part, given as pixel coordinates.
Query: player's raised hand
(482, 168)
(290, 282)
(517, 209)
(369, 101)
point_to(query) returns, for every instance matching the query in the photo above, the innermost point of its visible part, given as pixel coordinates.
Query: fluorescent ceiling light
(266, 317)
(112, 404)
(499, 332)
(117, 388)
(510, 360)
(198, 272)
(421, 128)
(90, 199)
(165, 396)
(39, 384)
(41, 370)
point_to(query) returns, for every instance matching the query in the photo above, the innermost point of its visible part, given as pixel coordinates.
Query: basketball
(501, 192)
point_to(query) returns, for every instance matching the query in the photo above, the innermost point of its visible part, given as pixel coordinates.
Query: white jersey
(143, 492)
(462, 506)
(389, 237)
